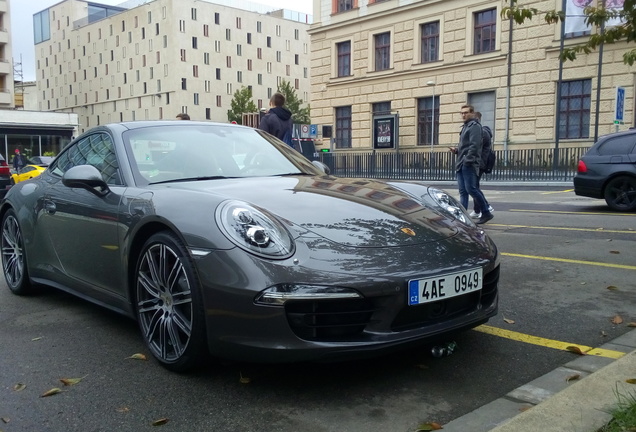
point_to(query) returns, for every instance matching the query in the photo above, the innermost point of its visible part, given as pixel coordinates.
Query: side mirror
(86, 177)
(321, 166)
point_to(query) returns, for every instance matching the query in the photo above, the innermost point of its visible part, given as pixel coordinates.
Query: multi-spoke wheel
(13, 257)
(168, 303)
(620, 193)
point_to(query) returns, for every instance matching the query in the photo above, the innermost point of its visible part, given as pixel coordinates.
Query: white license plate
(444, 286)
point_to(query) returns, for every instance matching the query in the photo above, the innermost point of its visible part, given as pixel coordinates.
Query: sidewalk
(556, 402)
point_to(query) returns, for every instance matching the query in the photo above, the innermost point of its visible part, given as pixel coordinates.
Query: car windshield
(196, 151)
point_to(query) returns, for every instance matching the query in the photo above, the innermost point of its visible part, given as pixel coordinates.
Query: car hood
(355, 212)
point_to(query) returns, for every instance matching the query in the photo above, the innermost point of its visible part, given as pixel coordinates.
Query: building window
(217, 18)
(206, 30)
(259, 27)
(259, 79)
(218, 73)
(427, 116)
(239, 76)
(278, 56)
(344, 5)
(194, 43)
(249, 38)
(183, 55)
(485, 31)
(195, 71)
(184, 84)
(343, 127)
(430, 42)
(382, 51)
(182, 26)
(269, 41)
(344, 58)
(218, 101)
(193, 12)
(574, 108)
(239, 50)
(259, 53)
(296, 34)
(196, 99)
(228, 34)
(249, 64)
(208, 114)
(381, 108)
(206, 58)
(238, 22)
(228, 61)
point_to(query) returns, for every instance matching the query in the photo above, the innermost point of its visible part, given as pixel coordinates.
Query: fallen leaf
(603, 334)
(612, 288)
(138, 357)
(508, 320)
(5, 420)
(525, 408)
(71, 381)
(632, 324)
(429, 427)
(19, 387)
(37, 339)
(51, 392)
(631, 381)
(122, 409)
(617, 319)
(614, 252)
(160, 422)
(244, 380)
(582, 283)
(573, 377)
(575, 349)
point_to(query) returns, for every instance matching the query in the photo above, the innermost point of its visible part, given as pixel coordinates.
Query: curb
(555, 403)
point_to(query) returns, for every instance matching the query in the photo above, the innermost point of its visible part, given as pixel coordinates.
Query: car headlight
(450, 206)
(279, 294)
(254, 230)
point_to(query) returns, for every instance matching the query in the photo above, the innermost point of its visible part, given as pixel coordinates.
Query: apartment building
(159, 58)
(393, 74)
(6, 65)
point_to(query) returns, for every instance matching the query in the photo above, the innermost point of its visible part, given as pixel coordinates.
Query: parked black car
(608, 170)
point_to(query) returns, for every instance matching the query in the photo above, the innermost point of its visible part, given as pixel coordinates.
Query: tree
(594, 16)
(299, 115)
(241, 103)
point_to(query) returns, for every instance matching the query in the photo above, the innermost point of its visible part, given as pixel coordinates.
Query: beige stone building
(415, 63)
(158, 58)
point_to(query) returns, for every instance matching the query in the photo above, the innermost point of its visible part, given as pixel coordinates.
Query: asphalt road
(561, 254)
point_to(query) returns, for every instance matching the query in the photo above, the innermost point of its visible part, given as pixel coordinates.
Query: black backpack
(490, 158)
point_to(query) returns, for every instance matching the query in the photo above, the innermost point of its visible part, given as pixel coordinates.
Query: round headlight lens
(450, 205)
(254, 230)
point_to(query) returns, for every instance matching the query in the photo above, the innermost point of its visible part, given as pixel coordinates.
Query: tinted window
(618, 145)
(97, 150)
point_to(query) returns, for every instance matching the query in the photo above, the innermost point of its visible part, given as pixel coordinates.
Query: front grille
(432, 313)
(329, 320)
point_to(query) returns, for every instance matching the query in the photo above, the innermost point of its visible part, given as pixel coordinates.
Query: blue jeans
(468, 183)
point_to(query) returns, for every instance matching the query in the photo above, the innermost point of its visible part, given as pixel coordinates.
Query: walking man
(278, 120)
(486, 148)
(468, 160)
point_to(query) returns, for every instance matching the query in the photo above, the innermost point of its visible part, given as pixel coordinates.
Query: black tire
(14, 262)
(620, 193)
(168, 303)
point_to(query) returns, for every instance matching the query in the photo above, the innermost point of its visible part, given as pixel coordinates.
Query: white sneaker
(475, 215)
(490, 209)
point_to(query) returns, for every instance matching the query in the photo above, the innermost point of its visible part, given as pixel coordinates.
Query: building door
(484, 102)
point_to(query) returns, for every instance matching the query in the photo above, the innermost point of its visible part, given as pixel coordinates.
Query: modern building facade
(162, 57)
(6, 65)
(411, 64)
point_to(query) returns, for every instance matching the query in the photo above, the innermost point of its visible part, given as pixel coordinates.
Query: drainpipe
(508, 91)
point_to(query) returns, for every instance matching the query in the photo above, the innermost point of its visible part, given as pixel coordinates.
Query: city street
(568, 271)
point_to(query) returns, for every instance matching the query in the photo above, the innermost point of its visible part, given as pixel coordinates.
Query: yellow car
(28, 172)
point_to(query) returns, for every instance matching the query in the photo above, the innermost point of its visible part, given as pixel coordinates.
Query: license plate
(445, 286)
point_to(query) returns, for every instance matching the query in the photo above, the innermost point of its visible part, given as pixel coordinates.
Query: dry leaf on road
(160, 422)
(51, 392)
(138, 357)
(617, 319)
(429, 427)
(71, 381)
(573, 377)
(575, 349)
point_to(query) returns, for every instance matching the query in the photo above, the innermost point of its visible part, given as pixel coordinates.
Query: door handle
(49, 206)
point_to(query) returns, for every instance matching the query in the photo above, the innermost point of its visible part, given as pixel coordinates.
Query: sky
(22, 25)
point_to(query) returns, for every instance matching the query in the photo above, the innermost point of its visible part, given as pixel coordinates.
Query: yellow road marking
(556, 192)
(567, 228)
(549, 343)
(571, 212)
(600, 264)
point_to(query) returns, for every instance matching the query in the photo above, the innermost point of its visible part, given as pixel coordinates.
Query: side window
(97, 150)
(618, 146)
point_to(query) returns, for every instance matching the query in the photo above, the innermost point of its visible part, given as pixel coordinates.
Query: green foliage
(241, 103)
(293, 103)
(594, 16)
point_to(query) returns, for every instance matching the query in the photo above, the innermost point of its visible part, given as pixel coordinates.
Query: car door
(83, 226)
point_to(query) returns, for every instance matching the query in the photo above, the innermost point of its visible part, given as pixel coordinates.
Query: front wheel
(14, 264)
(169, 305)
(620, 193)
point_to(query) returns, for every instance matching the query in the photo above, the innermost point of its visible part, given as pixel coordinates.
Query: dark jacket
(277, 121)
(469, 149)
(486, 147)
(19, 161)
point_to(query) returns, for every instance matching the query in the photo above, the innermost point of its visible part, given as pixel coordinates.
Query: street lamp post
(432, 84)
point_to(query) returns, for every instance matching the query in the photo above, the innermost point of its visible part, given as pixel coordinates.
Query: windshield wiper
(179, 180)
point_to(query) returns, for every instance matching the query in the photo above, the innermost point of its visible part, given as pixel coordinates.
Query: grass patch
(623, 416)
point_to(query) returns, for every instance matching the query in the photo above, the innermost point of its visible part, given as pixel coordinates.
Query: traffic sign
(620, 104)
(313, 131)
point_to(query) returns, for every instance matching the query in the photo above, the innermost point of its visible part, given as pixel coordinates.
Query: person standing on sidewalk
(486, 148)
(468, 160)
(278, 120)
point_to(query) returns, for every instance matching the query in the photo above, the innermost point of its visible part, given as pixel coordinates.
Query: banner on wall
(575, 16)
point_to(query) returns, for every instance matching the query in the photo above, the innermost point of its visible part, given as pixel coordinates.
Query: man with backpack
(278, 120)
(485, 165)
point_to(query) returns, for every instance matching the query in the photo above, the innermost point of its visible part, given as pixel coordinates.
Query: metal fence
(511, 165)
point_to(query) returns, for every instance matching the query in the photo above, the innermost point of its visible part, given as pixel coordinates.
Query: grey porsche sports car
(222, 241)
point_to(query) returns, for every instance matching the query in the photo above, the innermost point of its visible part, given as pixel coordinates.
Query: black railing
(512, 165)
